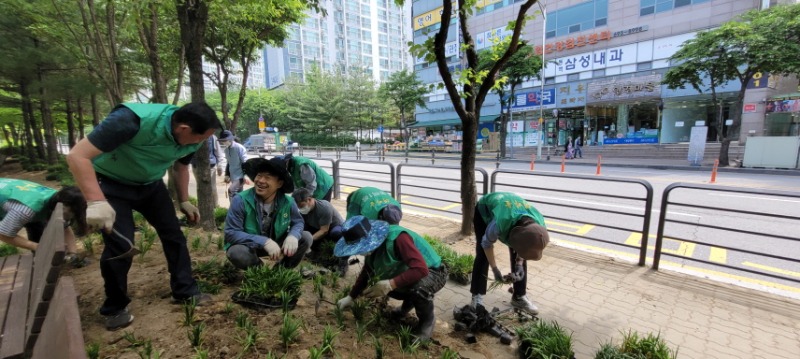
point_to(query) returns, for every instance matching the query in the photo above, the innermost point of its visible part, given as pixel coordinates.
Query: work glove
(100, 215)
(519, 273)
(273, 250)
(227, 179)
(380, 289)
(219, 171)
(498, 276)
(191, 212)
(290, 245)
(345, 302)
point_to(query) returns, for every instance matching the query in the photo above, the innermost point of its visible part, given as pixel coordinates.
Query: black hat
(226, 136)
(274, 166)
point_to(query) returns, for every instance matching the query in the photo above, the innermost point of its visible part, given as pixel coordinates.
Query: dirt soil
(161, 322)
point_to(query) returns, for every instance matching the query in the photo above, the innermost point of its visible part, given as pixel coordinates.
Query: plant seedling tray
(259, 302)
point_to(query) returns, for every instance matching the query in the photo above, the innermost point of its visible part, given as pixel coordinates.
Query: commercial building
(355, 34)
(602, 82)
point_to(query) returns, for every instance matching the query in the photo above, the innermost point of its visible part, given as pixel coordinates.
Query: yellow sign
(484, 3)
(432, 17)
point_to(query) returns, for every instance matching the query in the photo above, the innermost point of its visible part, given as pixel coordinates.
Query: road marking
(635, 258)
(718, 255)
(769, 198)
(445, 208)
(685, 249)
(772, 269)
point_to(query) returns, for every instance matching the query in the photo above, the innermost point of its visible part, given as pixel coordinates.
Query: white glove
(191, 212)
(227, 179)
(100, 215)
(345, 302)
(380, 289)
(290, 245)
(272, 249)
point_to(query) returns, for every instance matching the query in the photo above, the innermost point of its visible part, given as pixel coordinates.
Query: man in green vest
(30, 205)
(307, 174)
(375, 204)
(120, 167)
(510, 219)
(406, 266)
(264, 220)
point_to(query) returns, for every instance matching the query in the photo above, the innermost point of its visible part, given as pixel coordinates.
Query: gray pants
(243, 256)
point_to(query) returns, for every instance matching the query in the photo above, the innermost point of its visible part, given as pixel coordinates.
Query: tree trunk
(181, 70)
(468, 193)
(95, 110)
(245, 62)
(70, 124)
(81, 123)
(193, 19)
(47, 121)
(148, 36)
(33, 145)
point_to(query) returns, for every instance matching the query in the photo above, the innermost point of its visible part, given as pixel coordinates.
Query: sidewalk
(598, 298)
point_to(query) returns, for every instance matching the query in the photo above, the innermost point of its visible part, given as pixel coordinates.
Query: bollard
(714, 172)
(497, 164)
(563, 162)
(533, 161)
(406, 157)
(599, 159)
(433, 157)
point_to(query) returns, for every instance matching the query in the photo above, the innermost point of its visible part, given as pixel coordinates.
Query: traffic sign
(380, 128)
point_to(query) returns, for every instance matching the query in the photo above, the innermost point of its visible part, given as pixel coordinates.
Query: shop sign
(533, 99)
(631, 31)
(533, 125)
(451, 49)
(515, 126)
(574, 42)
(596, 60)
(432, 17)
(484, 3)
(783, 106)
(571, 95)
(629, 141)
(488, 38)
(761, 80)
(639, 87)
(749, 108)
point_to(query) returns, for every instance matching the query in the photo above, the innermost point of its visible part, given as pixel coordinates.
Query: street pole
(511, 121)
(541, 104)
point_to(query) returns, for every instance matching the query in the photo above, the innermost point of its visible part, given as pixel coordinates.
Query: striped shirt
(17, 215)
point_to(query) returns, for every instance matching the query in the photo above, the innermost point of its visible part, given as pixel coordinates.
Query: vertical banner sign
(261, 123)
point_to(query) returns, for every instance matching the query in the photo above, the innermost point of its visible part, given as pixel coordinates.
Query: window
(598, 73)
(383, 39)
(643, 66)
(293, 48)
(294, 63)
(648, 7)
(366, 35)
(383, 51)
(549, 80)
(581, 17)
(573, 77)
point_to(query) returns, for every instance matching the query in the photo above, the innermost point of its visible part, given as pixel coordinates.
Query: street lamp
(543, 9)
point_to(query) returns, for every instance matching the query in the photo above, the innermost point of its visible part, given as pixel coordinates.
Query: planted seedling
(196, 335)
(264, 284)
(318, 288)
(289, 331)
(248, 338)
(376, 342)
(450, 354)
(361, 329)
(131, 338)
(196, 241)
(650, 346)
(147, 351)
(93, 350)
(543, 339)
(338, 313)
(328, 336)
(200, 353)
(146, 242)
(228, 308)
(88, 244)
(408, 344)
(315, 353)
(360, 308)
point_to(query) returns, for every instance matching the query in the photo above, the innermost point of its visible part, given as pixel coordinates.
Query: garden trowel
(130, 253)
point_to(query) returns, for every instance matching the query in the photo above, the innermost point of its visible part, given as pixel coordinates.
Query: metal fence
(746, 230)
(611, 209)
(435, 185)
(349, 173)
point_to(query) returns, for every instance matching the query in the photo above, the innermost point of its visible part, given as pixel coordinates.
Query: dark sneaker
(523, 303)
(119, 320)
(200, 299)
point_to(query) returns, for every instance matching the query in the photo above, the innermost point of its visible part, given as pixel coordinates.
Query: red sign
(573, 42)
(749, 107)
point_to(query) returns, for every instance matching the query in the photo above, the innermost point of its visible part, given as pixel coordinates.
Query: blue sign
(629, 141)
(534, 99)
(380, 128)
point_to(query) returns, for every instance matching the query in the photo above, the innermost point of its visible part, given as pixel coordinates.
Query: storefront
(624, 110)
(783, 116)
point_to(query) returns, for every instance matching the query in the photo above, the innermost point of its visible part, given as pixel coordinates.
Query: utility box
(772, 152)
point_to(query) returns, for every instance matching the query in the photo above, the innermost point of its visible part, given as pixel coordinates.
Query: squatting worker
(513, 221)
(120, 167)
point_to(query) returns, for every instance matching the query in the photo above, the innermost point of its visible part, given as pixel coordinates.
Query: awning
(452, 121)
(788, 96)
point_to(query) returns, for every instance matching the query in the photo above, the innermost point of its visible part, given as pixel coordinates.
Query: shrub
(219, 215)
(7, 250)
(544, 340)
(459, 265)
(634, 346)
(266, 283)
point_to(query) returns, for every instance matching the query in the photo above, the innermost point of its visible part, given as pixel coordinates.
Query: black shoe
(401, 311)
(118, 321)
(200, 299)
(427, 321)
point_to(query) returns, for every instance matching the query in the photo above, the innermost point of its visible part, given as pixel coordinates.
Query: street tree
(405, 91)
(760, 41)
(474, 84)
(522, 66)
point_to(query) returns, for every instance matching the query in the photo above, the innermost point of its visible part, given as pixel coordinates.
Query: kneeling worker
(322, 221)
(375, 204)
(407, 267)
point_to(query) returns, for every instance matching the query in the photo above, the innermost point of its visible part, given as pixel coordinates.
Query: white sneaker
(523, 303)
(476, 299)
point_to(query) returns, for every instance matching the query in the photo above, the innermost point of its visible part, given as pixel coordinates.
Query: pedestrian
(406, 267)
(235, 155)
(30, 205)
(510, 219)
(264, 220)
(578, 144)
(568, 149)
(216, 165)
(307, 174)
(374, 204)
(322, 221)
(120, 167)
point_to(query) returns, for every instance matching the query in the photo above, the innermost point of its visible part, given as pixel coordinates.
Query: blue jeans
(154, 203)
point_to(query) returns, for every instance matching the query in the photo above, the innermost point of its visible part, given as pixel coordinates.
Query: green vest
(368, 202)
(507, 209)
(33, 195)
(324, 180)
(145, 158)
(387, 264)
(252, 216)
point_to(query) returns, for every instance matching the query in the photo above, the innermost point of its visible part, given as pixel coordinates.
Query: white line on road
(756, 197)
(614, 205)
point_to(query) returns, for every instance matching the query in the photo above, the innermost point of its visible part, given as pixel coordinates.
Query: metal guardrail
(740, 234)
(590, 205)
(342, 170)
(426, 177)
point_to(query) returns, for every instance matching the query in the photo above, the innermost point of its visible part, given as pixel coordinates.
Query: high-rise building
(355, 34)
(255, 77)
(605, 60)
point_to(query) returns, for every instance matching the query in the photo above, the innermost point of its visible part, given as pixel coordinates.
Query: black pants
(328, 195)
(425, 288)
(154, 203)
(480, 268)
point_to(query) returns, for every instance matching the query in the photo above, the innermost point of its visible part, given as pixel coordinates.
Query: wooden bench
(35, 303)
